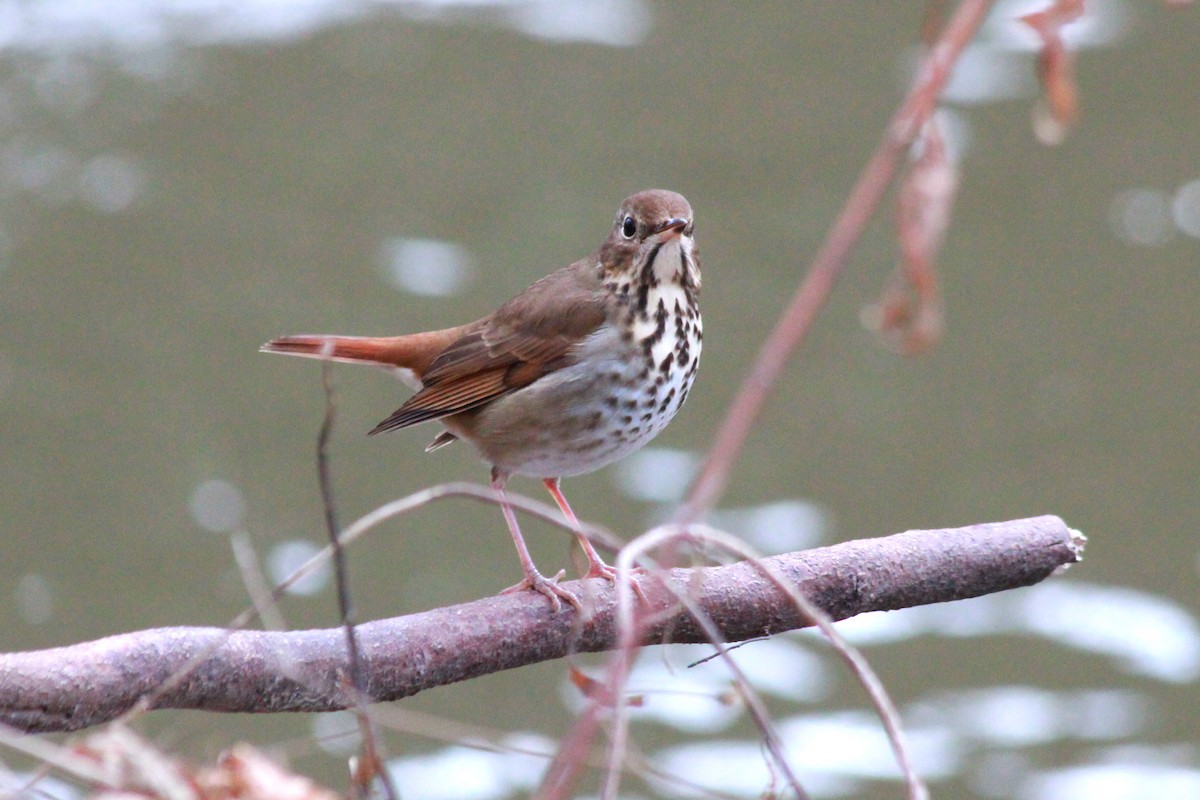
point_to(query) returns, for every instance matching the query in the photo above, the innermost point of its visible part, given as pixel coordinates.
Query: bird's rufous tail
(414, 351)
(392, 351)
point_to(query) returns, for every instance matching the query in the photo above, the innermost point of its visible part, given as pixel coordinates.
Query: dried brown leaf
(1056, 68)
(598, 691)
(909, 314)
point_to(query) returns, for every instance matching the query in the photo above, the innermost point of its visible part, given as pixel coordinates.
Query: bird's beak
(671, 227)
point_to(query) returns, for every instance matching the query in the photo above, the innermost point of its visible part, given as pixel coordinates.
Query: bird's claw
(549, 587)
(599, 569)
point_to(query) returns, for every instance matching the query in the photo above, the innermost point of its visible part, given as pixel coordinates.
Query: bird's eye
(628, 228)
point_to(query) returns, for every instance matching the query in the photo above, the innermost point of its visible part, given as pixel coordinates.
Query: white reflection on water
(336, 732)
(656, 474)
(111, 182)
(67, 25)
(1121, 781)
(1103, 24)
(453, 773)
(834, 754)
(459, 772)
(854, 744)
(1144, 634)
(1185, 209)
(34, 598)
(1023, 716)
(39, 786)
(999, 64)
(699, 699)
(1141, 216)
(217, 506)
(286, 557)
(1149, 217)
(663, 475)
(983, 735)
(35, 166)
(736, 768)
(619, 23)
(986, 74)
(108, 182)
(773, 528)
(427, 267)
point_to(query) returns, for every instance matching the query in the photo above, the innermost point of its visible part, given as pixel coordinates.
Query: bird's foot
(598, 569)
(548, 586)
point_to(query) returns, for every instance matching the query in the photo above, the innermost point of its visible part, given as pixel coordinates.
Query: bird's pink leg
(596, 566)
(533, 579)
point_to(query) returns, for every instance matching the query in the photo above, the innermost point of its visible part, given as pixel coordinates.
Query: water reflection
(1024, 716)
(1104, 23)
(1141, 216)
(110, 183)
(47, 170)
(999, 64)
(337, 732)
(459, 772)
(656, 474)
(988, 74)
(618, 23)
(838, 752)
(217, 506)
(662, 475)
(1185, 209)
(286, 557)
(700, 698)
(46, 787)
(34, 598)
(834, 754)
(1149, 217)
(782, 527)
(427, 267)
(1117, 781)
(136, 24)
(1143, 634)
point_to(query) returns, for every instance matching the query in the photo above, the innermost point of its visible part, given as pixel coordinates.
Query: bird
(580, 369)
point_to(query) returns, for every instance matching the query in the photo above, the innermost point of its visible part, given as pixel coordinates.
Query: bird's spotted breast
(630, 379)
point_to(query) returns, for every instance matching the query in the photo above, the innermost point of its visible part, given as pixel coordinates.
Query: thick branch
(68, 688)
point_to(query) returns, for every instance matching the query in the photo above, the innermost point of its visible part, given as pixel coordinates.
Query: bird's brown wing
(529, 337)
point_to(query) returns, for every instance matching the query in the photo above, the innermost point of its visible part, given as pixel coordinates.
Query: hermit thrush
(580, 369)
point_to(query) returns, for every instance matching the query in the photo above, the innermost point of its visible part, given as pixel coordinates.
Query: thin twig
(863, 575)
(371, 767)
(858, 664)
(728, 648)
(57, 756)
(628, 642)
(255, 582)
(793, 325)
(398, 718)
(358, 528)
(830, 260)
